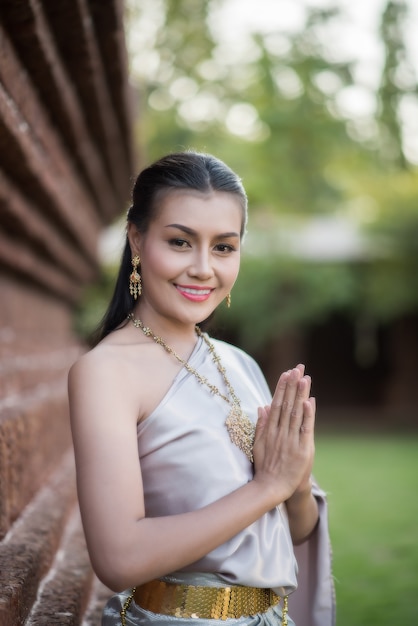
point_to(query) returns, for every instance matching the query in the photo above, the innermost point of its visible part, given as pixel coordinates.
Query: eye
(225, 248)
(179, 243)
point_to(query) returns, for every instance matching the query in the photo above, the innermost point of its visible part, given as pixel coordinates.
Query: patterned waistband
(205, 602)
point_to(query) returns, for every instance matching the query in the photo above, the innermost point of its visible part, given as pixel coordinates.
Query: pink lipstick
(194, 293)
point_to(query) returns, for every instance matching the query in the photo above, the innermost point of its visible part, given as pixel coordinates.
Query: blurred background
(314, 103)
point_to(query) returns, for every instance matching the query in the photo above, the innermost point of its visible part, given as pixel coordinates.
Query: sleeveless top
(188, 461)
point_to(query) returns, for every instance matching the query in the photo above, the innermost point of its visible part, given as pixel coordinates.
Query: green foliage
(284, 155)
(393, 84)
(390, 277)
(397, 221)
(389, 289)
(304, 136)
(273, 295)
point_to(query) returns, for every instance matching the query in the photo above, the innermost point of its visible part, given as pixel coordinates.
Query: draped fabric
(188, 461)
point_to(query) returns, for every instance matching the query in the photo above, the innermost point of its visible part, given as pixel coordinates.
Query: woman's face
(190, 254)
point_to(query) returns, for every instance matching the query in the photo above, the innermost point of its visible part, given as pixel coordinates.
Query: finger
(297, 412)
(261, 421)
(261, 426)
(286, 408)
(301, 368)
(305, 386)
(309, 412)
(292, 402)
(275, 409)
(279, 393)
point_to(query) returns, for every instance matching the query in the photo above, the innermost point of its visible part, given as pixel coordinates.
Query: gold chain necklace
(240, 428)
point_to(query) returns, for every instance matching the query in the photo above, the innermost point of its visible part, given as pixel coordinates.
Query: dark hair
(182, 170)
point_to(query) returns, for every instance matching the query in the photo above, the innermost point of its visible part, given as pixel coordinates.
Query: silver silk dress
(188, 461)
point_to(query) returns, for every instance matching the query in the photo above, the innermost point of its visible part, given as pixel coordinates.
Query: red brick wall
(65, 163)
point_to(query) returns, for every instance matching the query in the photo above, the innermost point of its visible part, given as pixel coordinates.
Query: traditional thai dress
(188, 461)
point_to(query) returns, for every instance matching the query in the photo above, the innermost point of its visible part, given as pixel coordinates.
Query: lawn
(372, 485)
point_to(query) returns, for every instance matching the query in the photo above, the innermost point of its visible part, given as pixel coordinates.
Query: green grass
(372, 486)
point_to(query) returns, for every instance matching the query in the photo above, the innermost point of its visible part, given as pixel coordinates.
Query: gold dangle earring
(135, 285)
(228, 300)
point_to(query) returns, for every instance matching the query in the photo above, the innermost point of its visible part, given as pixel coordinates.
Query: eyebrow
(190, 231)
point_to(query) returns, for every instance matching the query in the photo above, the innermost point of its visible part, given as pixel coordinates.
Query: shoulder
(125, 371)
(95, 377)
(108, 383)
(112, 356)
(109, 367)
(96, 362)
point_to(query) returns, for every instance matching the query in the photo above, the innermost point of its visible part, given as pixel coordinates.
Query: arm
(302, 509)
(125, 547)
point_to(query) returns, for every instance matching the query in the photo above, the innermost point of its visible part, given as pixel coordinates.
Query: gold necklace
(240, 428)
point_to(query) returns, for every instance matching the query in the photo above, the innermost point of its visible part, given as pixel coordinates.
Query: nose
(201, 266)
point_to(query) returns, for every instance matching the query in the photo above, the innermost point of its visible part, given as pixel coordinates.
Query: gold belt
(203, 602)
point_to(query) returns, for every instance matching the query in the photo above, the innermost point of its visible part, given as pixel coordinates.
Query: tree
(265, 113)
(397, 82)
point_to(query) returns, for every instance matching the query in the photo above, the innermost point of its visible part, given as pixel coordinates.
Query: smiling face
(190, 255)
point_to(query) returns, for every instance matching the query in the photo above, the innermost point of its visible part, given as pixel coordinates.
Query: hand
(284, 438)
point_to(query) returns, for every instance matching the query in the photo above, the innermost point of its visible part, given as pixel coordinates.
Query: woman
(194, 485)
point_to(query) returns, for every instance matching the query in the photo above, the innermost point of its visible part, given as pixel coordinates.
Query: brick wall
(66, 159)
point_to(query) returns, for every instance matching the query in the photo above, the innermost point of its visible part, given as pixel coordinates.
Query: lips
(196, 294)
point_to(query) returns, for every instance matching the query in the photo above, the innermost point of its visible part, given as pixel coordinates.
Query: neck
(179, 338)
(170, 329)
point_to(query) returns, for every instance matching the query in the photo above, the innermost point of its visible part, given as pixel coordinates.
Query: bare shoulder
(103, 360)
(112, 358)
(135, 375)
(103, 378)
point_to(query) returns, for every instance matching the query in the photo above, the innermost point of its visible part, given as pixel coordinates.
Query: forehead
(196, 209)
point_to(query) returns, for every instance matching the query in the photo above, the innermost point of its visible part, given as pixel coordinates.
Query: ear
(134, 238)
